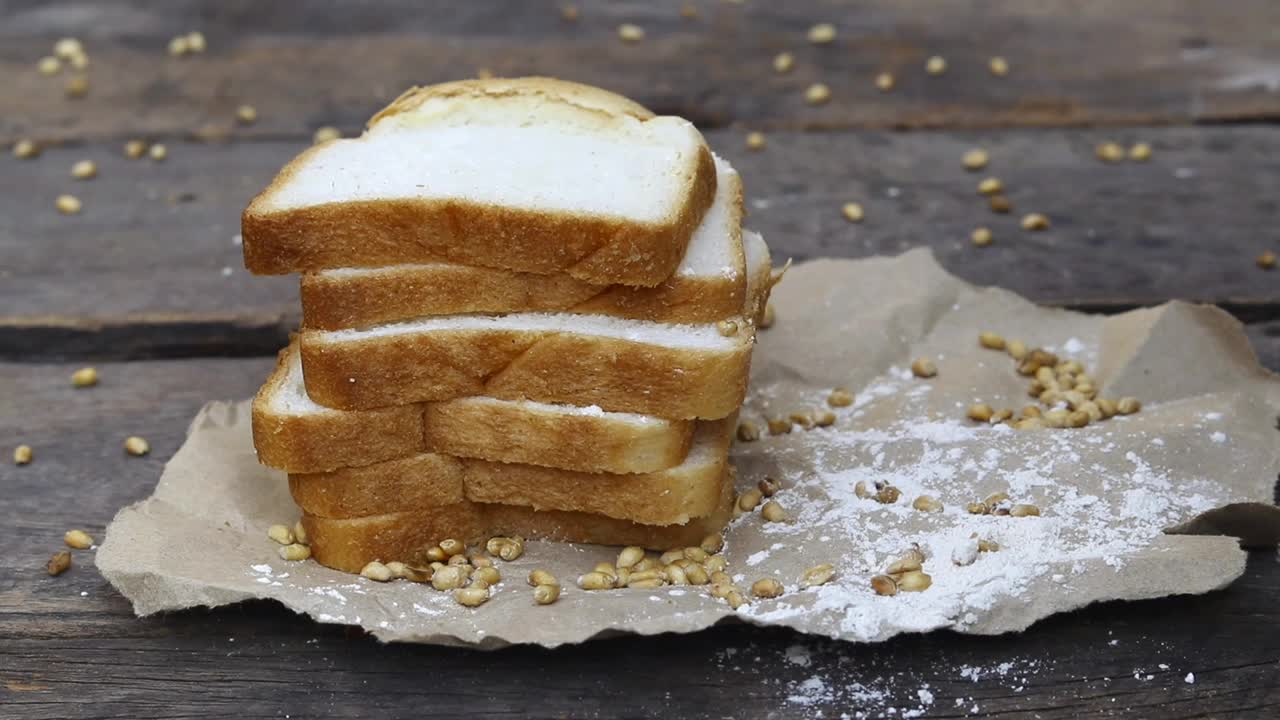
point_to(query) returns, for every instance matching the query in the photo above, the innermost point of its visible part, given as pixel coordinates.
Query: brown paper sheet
(1205, 439)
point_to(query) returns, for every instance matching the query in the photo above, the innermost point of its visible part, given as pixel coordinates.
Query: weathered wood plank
(150, 267)
(70, 647)
(307, 64)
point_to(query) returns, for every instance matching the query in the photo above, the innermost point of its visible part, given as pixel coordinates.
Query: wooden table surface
(147, 285)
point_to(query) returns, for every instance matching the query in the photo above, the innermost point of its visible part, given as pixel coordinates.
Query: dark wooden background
(136, 286)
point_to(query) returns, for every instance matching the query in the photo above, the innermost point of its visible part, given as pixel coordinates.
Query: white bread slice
(709, 285)
(672, 371)
(669, 371)
(351, 543)
(529, 174)
(426, 480)
(292, 433)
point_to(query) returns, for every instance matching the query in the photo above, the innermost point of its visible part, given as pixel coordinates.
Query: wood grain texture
(71, 648)
(150, 267)
(150, 270)
(320, 62)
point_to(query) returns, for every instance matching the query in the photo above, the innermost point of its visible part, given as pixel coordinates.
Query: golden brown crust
(618, 375)
(351, 543)
(429, 480)
(501, 432)
(402, 292)
(325, 441)
(667, 497)
(374, 233)
(505, 433)
(424, 479)
(689, 300)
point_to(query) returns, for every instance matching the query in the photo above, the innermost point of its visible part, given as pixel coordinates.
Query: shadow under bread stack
(528, 310)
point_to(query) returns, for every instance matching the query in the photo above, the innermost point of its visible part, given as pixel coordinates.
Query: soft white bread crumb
(711, 250)
(626, 168)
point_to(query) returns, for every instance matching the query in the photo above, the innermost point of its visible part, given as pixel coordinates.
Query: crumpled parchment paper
(1205, 442)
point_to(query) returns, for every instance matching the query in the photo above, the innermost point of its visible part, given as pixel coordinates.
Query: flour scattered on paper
(925, 450)
(1093, 519)
(1105, 491)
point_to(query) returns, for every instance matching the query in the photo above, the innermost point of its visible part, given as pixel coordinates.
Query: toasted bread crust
(349, 544)
(330, 440)
(666, 497)
(588, 443)
(374, 233)
(429, 480)
(500, 432)
(618, 375)
(423, 479)
(401, 292)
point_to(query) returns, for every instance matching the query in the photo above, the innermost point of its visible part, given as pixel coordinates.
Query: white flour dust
(1105, 493)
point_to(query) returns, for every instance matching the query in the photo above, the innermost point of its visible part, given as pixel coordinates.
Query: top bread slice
(529, 174)
(709, 284)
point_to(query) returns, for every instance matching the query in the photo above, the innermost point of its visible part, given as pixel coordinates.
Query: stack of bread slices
(528, 309)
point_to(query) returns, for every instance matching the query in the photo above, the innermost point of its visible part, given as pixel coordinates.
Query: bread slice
(530, 174)
(709, 284)
(675, 371)
(351, 543)
(293, 433)
(672, 371)
(417, 481)
(585, 439)
(666, 497)
(427, 480)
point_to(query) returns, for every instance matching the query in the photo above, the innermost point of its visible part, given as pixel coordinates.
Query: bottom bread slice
(428, 480)
(351, 543)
